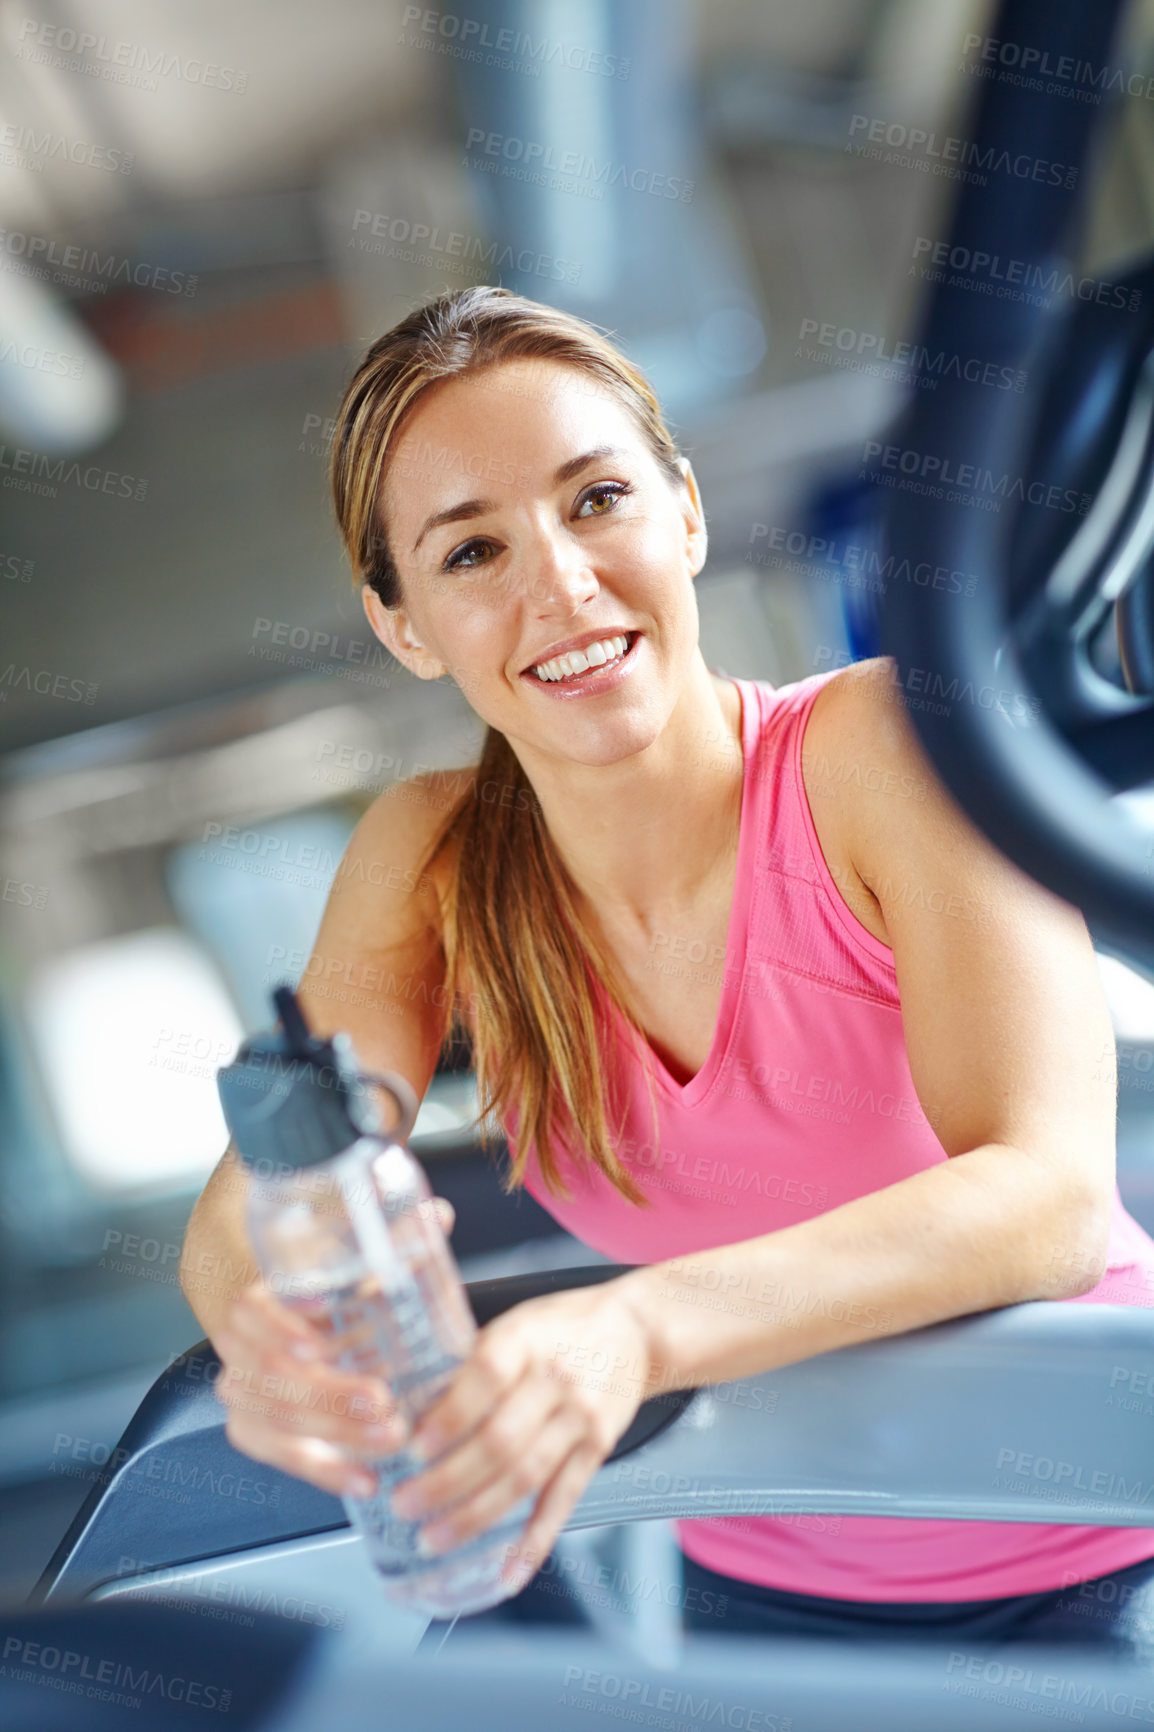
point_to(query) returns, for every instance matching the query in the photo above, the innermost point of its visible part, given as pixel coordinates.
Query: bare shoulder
(384, 882)
(377, 967)
(860, 752)
(879, 807)
(861, 710)
(869, 785)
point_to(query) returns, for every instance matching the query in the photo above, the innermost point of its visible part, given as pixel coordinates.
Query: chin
(610, 743)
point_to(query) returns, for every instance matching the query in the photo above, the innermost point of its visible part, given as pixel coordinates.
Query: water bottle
(342, 1223)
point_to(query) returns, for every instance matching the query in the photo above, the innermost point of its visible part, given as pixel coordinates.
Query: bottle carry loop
(292, 1096)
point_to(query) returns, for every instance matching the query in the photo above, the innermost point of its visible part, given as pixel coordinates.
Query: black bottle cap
(290, 1098)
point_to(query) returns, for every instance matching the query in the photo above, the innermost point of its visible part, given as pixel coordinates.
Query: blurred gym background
(205, 217)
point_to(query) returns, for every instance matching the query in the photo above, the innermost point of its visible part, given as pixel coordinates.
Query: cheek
(651, 543)
(649, 565)
(474, 625)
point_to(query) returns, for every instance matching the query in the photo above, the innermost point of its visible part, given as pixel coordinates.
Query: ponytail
(539, 984)
(516, 951)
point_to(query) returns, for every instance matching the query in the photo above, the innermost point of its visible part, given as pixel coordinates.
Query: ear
(696, 534)
(394, 628)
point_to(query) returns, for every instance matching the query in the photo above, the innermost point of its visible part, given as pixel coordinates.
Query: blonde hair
(512, 930)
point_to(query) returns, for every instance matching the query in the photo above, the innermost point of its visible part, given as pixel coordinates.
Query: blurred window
(129, 1034)
(254, 895)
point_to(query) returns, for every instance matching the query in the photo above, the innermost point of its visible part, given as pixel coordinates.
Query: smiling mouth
(587, 674)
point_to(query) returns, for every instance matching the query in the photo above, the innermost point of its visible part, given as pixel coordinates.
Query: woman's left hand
(547, 1391)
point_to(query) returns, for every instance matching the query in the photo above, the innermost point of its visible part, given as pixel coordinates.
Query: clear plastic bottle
(342, 1222)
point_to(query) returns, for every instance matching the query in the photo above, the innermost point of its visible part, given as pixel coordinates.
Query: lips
(578, 643)
(630, 638)
(595, 680)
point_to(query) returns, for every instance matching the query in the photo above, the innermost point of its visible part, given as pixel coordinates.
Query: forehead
(510, 426)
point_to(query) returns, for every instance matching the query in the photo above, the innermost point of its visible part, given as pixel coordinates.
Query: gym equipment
(1034, 1412)
(1044, 500)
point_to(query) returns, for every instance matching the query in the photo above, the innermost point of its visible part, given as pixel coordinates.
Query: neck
(641, 838)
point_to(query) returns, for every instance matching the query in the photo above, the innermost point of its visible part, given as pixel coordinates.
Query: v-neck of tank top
(689, 1093)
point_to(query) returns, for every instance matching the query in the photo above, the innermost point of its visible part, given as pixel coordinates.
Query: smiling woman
(607, 539)
(757, 1008)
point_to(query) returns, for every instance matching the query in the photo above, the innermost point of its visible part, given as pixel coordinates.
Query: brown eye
(608, 492)
(462, 557)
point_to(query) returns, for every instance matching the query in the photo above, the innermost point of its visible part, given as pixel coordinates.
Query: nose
(561, 577)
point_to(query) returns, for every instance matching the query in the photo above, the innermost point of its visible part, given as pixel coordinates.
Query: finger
(258, 1303)
(251, 1340)
(477, 1514)
(446, 1214)
(255, 1331)
(260, 1317)
(499, 1360)
(309, 1458)
(558, 1500)
(354, 1411)
(491, 1453)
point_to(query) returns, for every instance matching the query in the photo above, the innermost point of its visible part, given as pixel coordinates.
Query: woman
(759, 1010)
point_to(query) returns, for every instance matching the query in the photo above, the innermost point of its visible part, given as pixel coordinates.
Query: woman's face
(524, 510)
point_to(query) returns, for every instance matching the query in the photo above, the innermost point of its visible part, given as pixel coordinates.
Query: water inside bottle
(390, 1333)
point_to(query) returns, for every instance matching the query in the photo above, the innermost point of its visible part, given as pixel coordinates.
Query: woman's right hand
(291, 1406)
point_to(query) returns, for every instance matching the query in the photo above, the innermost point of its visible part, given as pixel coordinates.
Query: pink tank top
(806, 1101)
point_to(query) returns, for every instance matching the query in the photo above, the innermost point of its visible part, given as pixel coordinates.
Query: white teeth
(595, 655)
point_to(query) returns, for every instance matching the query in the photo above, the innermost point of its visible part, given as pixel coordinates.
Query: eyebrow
(477, 507)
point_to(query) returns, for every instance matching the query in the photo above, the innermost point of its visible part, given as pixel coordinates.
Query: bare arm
(373, 973)
(1005, 1023)
(217, 1260)
(1005, 1026)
